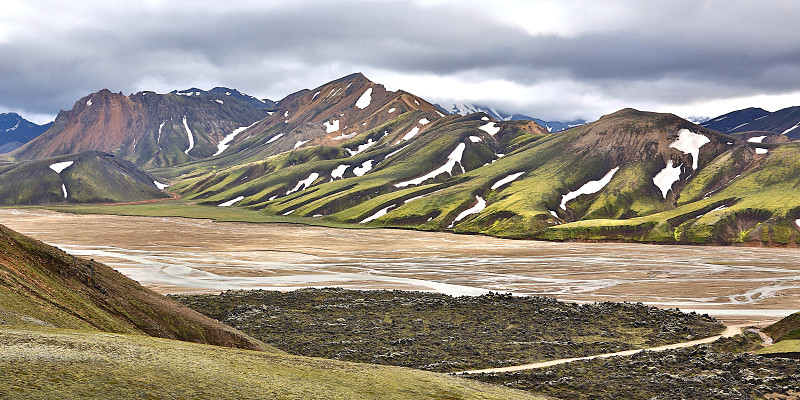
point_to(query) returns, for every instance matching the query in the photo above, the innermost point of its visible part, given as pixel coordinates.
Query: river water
(176, 255)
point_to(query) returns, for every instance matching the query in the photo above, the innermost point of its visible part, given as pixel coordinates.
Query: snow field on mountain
(454, 157)
(506, 180)
(231, 202)
(589, 188)
(60, 166)
(690, 143)
(667, 177)
(365, 99)
(304, 184)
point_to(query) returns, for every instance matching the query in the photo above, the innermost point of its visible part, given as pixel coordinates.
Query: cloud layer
(550, 59)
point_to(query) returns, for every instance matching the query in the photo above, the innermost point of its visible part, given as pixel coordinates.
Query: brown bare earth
(176, 255)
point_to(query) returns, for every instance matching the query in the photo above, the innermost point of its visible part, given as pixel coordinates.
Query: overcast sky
(555, 60)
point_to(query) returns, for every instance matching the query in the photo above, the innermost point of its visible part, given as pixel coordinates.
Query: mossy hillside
(42, 285)
(786, 329)
(58, 364)
(94, 177)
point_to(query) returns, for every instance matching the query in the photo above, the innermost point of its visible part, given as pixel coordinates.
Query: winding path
(731, 330)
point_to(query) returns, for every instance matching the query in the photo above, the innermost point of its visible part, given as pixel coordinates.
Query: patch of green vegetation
(64, 364)
(784, 346)
(443, 333)
(786, 329)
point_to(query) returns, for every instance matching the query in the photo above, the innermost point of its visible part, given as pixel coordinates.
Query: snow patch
(13, 128)
(286, 114)
(757, 139)
(440, 114)
(160, 186)
(484, 118)
(304, 184)
(230, 202)
(365, 167)
(396, 151)
(472, 210)
(377, 215)
(365, 99)
(315, 95)
(346, 136)
(361, 147)
(89, 103)
(60, 166)
(288, 212)
(391, 110)
(474, 139)
(274, 138)
(408, 136)
(331, 127)
(491, 128)
(797, 222)
(219, 101)
(553, 213)
(225, 143)
(424, 121)
(507, 179)
(791, 129)
(589, 187)
(301, 142)
(160, 127)
(191, 137)
(690, 143)
(64, 189)
(454, 157)
(416, 102)
(761, 151)
(667, 177)
(338, 172)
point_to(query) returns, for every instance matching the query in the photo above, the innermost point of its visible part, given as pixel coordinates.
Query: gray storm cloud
(590, 55)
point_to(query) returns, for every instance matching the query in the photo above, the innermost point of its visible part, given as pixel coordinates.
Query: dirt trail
(731, 330)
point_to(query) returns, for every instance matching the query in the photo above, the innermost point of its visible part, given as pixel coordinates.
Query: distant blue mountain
(466, 109)
(16, 131)
(784, 122)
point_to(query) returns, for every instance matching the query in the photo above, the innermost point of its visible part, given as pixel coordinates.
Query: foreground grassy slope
(41, 285)
(65, 364)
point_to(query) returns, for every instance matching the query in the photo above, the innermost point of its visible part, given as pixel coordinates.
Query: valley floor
(178, 255)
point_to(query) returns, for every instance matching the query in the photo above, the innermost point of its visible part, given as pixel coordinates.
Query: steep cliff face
(146, 128)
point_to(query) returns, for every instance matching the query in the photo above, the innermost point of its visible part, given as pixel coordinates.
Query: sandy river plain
(178, 255)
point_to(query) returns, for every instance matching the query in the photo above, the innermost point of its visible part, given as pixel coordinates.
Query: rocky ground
(443, 333)
(722, 370)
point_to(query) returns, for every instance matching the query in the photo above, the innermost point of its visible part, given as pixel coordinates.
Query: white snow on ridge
(160, 186)
(491, 128)
(791, 129)
(454, 157)
(377, 215)
(304, 184)
(365, 167)
(424, 121)
(667, 177)
(274, 138)
(395, 152)
(60, 166)
(690, 143)
(474, 139)
(331, 127)
(484, 118)
(589, 187)
(89, 103)
(315, 95)
(191, 137)
(365, 99)
(472, 210)
(230, 202)
(797, 222)
(300, 143)
(408, 136)
(338, 172)
(225, 143)
(361, 147)
(507, 179)
(757, 139)
(160, 127)
(64, 189)
(13, 128)
(761, 151)
(345, 136)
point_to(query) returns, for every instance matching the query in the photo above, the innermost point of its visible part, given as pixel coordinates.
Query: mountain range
(350, 151)
(466, 109)
(782, 122)
(16, 131)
